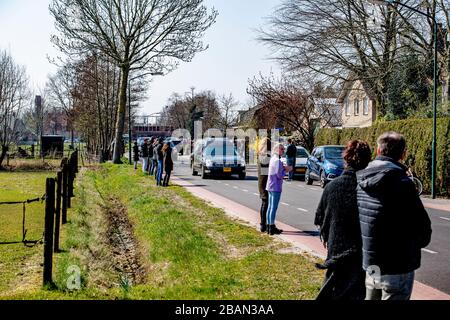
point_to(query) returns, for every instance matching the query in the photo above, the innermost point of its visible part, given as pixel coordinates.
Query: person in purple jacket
(274, 186)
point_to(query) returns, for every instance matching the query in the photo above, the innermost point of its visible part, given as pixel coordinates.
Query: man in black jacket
(291, 157)
(394, 223)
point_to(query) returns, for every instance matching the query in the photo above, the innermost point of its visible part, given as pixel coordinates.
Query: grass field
(20, 269)
(132, 240)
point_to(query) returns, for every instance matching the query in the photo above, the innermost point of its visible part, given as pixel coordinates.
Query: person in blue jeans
(291, 157)
(274, 186)
(160, 158)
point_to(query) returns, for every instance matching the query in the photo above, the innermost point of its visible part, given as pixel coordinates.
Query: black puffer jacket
(394, 223)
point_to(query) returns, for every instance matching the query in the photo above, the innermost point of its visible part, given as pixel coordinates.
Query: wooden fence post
(65, 193)
(48, 233)
(59, 181)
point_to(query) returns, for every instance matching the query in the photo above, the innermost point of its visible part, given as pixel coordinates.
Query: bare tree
(332, 39)
(136, 34)
(228, 109)
(59, 90)
(285, 104)
(14, 95)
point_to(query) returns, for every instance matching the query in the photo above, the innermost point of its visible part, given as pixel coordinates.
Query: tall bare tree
(14, 94)
(228, 109)
(332, 39)
(286, 104)
(136, 34)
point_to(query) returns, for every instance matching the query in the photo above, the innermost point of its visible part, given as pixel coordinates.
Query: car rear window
(301, 153)
(334, 153)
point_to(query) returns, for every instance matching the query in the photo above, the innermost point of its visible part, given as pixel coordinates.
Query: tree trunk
(121, 115)
(3, 154)
(445, 92)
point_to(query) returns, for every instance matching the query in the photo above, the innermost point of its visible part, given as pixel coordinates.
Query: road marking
(256, 194)
(429, 251)
(303, 210)
(235, 187)
(445, 218)
(227, 184)
(244, 190)
(285, 204)
(314, 189)
(300, 186)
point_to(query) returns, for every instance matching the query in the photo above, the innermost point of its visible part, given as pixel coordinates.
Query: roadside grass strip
(167, 244)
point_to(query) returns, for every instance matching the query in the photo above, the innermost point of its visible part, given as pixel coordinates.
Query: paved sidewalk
(295, 237)
(437, 204)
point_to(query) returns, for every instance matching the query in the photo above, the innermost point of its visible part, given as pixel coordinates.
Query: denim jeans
(159, 173)
(274, 201)
(291, 162)
(390, 287)
(144, 164)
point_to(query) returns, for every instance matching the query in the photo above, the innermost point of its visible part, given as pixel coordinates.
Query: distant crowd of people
(371, 219)
(156, 158)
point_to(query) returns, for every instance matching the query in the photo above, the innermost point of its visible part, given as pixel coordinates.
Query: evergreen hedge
(418, 134)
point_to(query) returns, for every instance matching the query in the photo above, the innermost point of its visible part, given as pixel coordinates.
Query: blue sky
(233, 56)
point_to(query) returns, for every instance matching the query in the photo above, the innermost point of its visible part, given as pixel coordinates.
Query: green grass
(189, 249)
(20, 265)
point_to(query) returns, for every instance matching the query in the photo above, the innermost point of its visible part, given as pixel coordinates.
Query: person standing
(337, 217)
(394, 223)
(274, 186)
(150, 155)
(168, 163)
(160, 159)
(144, 153)
(154, 159)
(291, 157)
(263, 174)
(135, 155)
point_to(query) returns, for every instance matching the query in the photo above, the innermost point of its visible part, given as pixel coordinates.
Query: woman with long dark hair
(338, 219)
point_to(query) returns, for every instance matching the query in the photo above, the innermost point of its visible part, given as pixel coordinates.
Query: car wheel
(323, 179)
(308, 179)
(204, 176)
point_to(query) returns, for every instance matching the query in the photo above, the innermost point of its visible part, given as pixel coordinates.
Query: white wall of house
(358, 109)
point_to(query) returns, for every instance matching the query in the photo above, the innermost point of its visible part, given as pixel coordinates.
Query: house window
(347, 107)
(366, 106)
(356, 106)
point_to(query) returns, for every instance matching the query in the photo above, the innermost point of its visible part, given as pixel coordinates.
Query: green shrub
(418, 134)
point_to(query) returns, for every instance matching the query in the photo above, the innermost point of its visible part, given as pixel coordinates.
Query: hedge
(418, 134)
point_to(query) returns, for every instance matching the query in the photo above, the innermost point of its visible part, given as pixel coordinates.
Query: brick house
(358, 105)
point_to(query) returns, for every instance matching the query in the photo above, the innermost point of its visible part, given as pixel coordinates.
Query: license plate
(226, 169)
(300, 170)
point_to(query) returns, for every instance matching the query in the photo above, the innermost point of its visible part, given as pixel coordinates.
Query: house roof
(348, 85)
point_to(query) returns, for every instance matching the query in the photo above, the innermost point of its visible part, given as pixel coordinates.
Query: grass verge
(182, 247)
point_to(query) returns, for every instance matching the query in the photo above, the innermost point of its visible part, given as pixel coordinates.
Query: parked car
(217, 157)
(325, 164)
(300, 162)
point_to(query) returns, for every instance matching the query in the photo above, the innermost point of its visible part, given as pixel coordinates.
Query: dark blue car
(325, 164)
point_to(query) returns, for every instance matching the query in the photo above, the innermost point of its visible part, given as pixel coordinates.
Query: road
(297, 208)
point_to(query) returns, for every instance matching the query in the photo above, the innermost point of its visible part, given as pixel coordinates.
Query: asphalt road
(297, 208)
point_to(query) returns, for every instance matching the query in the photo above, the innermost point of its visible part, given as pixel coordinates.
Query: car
(300, 162)
(325, 164)
(217, 157)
